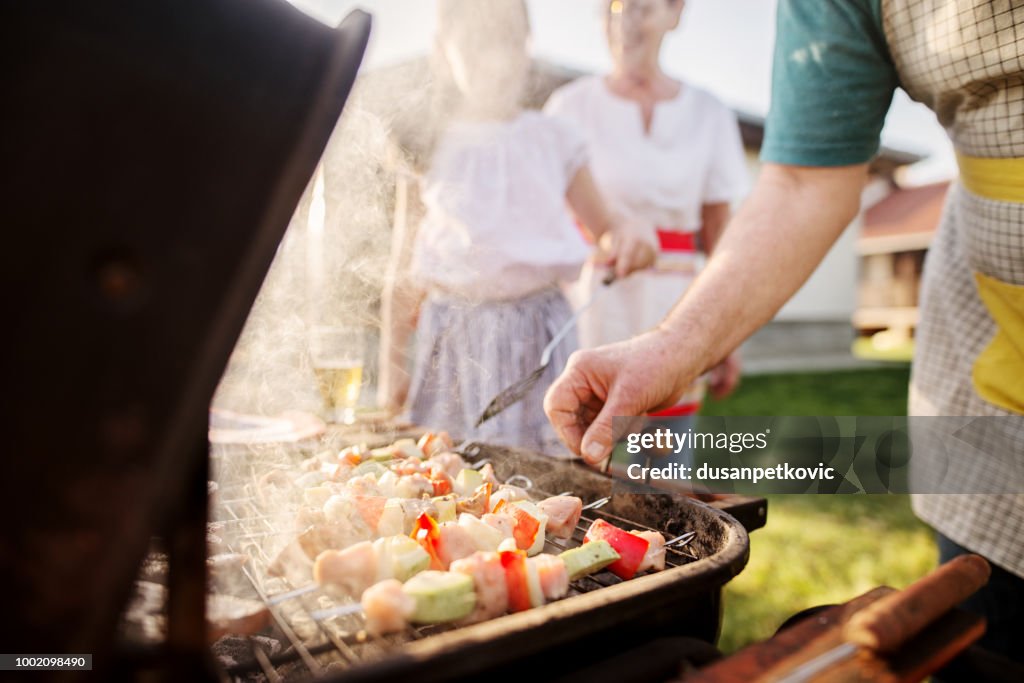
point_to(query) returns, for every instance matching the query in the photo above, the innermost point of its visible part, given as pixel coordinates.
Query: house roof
(904, 221)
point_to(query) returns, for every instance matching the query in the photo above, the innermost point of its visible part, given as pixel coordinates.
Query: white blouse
(693, 154)
(496, 224)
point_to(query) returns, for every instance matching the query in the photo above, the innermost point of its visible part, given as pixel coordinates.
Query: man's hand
(630, 378)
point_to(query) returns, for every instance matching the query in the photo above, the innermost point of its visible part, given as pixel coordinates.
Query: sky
(724, 46)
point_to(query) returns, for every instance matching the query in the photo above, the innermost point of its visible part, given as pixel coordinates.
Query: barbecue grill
(175, 140)
(602, 613)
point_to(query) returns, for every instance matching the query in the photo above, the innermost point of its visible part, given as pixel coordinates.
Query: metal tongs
(516, 392)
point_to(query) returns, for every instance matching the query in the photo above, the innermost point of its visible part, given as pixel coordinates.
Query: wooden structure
(773, 659)
(891, 249)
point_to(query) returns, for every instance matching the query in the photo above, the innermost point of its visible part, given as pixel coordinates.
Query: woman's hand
(628, 247)
(627, 379)
(725, 376)
(625, 244)
(393, 390)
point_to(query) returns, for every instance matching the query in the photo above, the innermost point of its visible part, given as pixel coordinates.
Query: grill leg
(188, 651)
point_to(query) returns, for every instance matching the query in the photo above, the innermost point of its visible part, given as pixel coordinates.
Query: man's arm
(713, 219)
(777, 238)
(724, 377)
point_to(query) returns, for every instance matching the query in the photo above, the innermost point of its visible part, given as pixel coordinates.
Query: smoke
(328, 271)
(331, 266)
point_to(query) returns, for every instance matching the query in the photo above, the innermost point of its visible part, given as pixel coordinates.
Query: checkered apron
(965, 60)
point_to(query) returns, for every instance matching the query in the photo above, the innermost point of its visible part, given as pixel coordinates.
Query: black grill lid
(153, 154)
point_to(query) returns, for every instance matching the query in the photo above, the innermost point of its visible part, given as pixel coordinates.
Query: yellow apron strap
(998, 373)
(998, 179)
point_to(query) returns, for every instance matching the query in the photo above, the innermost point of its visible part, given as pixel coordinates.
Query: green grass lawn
(821, 549)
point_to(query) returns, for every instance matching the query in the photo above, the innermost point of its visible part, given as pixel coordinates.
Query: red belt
(673, 240)
(677, 411)
(668, 239)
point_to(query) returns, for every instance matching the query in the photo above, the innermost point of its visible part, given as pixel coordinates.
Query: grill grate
(316, 644)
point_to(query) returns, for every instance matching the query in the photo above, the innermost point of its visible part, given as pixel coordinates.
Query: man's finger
(598, 440)
(562, 406)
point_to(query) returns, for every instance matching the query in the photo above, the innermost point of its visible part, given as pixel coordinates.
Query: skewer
(682, 540)
(340, 611)
(466, 447)
(526, 484)
(295, 593)
(599, 503)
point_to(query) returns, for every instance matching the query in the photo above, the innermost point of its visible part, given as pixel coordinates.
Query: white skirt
(468, 352)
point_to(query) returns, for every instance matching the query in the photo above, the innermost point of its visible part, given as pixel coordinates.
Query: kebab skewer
(503, 581)
(481, 586)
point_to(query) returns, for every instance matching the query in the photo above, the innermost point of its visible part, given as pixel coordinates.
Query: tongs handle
(885, 625)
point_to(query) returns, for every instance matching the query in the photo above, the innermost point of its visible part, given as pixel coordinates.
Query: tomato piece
(428, 535)
(630, 547)
(514, 563)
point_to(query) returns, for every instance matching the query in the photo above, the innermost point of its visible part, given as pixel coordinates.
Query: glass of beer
(338, 354)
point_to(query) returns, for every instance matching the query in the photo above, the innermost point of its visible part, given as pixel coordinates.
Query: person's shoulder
(708, 101)
(547, 123)
(573, 92)
(582, 85)
(555, 134)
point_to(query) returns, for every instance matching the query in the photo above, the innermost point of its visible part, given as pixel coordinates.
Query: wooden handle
(888, 623)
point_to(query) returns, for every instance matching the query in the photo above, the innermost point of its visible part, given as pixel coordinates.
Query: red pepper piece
(527, 526)
(428, 534)
(526, 529)
(514, 563)
(630, 547)
(442, 484)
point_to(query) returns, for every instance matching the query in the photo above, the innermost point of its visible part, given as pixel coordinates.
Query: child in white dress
(496, 241)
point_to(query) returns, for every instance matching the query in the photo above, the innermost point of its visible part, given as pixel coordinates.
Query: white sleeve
(558, 103)
(563, 105)
(727, 179)
(573, 148)
(571, 145)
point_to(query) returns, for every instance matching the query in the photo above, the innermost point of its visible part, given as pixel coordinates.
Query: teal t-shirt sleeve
(832, 83)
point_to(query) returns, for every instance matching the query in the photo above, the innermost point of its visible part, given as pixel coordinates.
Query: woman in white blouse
(661, 151)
